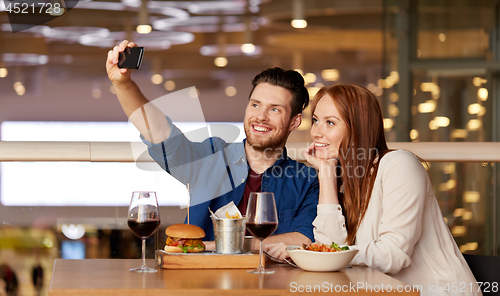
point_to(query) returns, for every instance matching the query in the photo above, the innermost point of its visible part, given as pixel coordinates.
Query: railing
(122, 151)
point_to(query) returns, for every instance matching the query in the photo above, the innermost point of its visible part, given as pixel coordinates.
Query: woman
(378, 200)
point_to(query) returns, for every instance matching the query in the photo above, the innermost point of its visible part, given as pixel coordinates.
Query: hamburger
(184, 238)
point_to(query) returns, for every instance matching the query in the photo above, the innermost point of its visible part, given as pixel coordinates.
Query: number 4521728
(38, 8)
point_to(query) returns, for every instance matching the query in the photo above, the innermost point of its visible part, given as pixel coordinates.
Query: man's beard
(270, 143)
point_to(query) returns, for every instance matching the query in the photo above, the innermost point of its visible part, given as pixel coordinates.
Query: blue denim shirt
(217, 171)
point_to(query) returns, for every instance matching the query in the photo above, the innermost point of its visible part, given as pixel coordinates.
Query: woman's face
(328, 129)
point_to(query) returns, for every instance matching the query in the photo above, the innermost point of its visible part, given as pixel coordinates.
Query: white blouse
(403, 232)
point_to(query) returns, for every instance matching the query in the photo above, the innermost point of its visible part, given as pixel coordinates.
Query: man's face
(267, 117)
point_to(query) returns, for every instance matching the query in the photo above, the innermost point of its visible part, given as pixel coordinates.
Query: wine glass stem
(261, 253)
(143, 252)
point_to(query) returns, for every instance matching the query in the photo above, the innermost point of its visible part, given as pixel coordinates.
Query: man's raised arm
(148, 119)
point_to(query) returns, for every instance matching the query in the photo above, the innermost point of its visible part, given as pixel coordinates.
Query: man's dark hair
(288, 79)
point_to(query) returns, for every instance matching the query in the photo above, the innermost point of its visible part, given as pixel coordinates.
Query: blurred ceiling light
(429, 87)
(156, 79)
(96, 93)
(57, 10)
(413, 134)
(471, 196)
(442, 187)
(473, 124)
(310, 78)
(381, 82)
(247, 48)
(393, 110)
(459, 133)
(474, 108)
(230, 91)
(21, 90)
(371, 87)
(389, 82)
(482, 111)
(458, 230)
(395, 76)
(442, 121)
(312, 90)
(330, 74)
(467, 215)
(144, 27)
(427, 107)
(300, 71)
(3, 72)
(442, 37)
(18, 86)
(458, 212)
(482, 93)
(477, 81)
(394, 97)
(451, 184)
(378, 91)
(299, 24)
(298, 18)
(449, 168)
(471, 246)
(169, 85)
(388, 123)
(220, 62)
(432, 125)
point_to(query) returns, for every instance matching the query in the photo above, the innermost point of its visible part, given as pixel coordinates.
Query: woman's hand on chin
(319, 162)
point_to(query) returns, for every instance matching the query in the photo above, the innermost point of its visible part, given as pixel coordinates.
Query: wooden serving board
(206, 260)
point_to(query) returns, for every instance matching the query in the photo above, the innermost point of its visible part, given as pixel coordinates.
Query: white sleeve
(404, 189)
(329, 225)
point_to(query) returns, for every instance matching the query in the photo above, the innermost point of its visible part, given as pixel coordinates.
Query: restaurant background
(433, 64)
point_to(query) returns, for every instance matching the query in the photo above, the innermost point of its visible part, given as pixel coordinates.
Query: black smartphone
(131, 58)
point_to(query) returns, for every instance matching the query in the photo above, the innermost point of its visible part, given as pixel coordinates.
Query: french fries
(237, 216)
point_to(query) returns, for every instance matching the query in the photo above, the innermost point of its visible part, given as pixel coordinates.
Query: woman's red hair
(359, 151)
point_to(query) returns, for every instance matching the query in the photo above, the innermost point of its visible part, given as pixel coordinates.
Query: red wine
(144, 228)
(261, 231)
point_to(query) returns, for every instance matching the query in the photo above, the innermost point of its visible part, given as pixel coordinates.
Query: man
(218, 172)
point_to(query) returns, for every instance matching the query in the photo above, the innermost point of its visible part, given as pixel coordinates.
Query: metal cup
(249, 243)
(229, 235)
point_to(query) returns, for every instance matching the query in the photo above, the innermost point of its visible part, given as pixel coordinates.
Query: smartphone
(131, 58)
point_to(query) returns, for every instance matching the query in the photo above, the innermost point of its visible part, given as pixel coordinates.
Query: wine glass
(261, 220)
(143, 220)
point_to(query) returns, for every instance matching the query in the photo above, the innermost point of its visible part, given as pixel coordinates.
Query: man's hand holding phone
(121, 59)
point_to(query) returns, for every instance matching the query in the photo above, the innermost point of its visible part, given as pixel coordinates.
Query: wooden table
(111, 277)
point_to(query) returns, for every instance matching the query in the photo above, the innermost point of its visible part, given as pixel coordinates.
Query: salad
(319, 247)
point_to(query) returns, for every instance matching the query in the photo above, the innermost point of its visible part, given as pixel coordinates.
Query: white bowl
(320, 261)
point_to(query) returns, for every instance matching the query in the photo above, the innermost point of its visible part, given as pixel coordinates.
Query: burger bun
(188, 231)
(170, 249)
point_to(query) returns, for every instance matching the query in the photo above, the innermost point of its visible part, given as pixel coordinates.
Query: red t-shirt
(253, 184)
